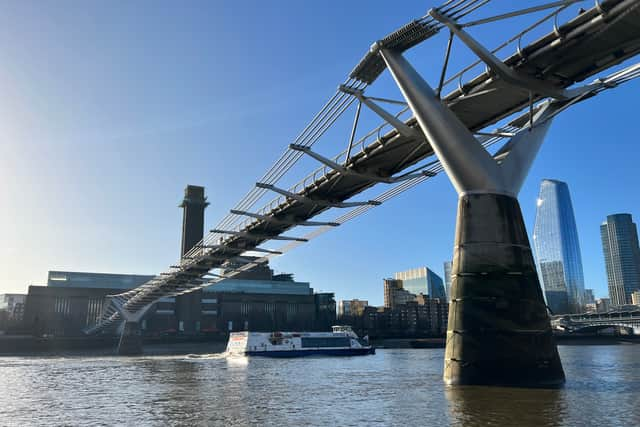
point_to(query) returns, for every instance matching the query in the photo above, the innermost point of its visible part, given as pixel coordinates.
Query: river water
(393, 387)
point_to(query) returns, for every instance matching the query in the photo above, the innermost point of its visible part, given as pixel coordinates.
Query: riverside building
(421, 318)
(353, 307)
(73, 301)
(622, 257)
(557, 249)
(13, 306)
(257, 299)
(448, 265)
(635, 297)
(395, 294)
(422, 280)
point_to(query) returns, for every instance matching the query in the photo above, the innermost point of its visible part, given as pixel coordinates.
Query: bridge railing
(515, 41)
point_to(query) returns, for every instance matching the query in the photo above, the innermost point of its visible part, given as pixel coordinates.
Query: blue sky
(109, 109)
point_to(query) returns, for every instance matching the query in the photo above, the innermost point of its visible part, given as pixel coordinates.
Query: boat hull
(314, 352)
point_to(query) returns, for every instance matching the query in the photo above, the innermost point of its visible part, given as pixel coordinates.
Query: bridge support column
(499, 332)
(130, 343)
(131, 340)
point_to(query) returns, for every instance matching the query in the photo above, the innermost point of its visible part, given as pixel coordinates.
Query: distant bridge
(495, 288)
(627, 318)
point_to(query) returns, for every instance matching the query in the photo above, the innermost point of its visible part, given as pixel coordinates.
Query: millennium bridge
(499, 329)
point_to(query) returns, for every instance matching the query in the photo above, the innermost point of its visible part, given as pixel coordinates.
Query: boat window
(325, 342)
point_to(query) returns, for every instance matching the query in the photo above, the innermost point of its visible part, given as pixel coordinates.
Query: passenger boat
(341, 342)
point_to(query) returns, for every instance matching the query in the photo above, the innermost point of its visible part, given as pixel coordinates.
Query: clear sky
(109, 109)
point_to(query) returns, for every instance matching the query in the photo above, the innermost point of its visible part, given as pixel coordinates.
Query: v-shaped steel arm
(469, 166)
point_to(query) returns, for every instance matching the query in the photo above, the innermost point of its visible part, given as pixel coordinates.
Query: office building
(435, 286)
(557, 249)
(635, 297)
(358, 306)
(13, 306)
(448, 265)
(325, 310)
(390, 286)
(603, 305)
(73, 300)
(267, 312)
(353, 307)
(414, 280)
(589, 301)
(256, 299)
(423, 318)
(344, 308)
(422, 280)
(395, 294)
(589, 297)
(622, 257)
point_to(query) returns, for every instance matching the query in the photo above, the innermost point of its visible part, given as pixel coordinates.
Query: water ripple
(393, 387)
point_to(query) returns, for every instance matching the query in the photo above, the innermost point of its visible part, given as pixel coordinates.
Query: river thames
(392, 387)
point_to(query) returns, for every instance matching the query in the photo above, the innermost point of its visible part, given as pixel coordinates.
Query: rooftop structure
(77, 279)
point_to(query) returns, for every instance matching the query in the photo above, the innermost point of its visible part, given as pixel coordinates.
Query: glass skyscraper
(622, 256)
(555, 240)
(422, 280)
(448, 265)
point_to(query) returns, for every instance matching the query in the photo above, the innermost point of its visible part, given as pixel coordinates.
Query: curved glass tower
(555, 240)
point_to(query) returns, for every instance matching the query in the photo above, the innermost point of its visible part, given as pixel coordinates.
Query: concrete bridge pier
(499, 332)
(130, 343)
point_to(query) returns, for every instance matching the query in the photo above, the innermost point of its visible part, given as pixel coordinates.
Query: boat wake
(207, 356)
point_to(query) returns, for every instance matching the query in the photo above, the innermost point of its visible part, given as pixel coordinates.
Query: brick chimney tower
(189, 306)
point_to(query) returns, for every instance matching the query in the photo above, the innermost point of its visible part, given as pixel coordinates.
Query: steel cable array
(323, 120)
(331, 111)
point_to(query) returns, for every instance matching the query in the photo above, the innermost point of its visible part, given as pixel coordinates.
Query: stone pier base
(499, 331)
(130, 340)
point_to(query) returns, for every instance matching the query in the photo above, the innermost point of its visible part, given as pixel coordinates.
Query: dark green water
(394, 387)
